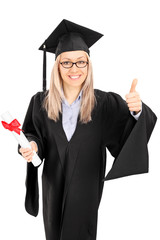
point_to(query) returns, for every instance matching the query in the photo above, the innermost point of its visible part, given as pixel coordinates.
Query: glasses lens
(67, 64)
(81, 64)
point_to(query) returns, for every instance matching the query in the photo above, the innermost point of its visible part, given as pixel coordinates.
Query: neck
(71, 92)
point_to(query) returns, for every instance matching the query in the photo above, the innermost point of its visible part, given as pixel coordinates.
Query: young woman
(70, 126)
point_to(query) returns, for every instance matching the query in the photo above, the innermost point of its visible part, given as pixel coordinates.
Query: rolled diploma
(22, 140)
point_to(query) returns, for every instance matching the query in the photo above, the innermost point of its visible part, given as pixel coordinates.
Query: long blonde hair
(53, 99)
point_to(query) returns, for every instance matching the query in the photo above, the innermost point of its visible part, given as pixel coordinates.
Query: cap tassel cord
(44, 68)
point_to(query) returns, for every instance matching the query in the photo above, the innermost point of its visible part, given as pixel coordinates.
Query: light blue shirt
(70, 114)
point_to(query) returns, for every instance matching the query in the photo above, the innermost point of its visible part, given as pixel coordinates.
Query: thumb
(133, 86)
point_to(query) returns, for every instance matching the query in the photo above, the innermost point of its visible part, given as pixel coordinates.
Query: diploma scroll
(18, 134)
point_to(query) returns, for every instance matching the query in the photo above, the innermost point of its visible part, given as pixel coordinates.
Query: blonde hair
(53, 99)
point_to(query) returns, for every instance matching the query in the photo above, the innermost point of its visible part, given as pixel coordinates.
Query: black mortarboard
(68, 36)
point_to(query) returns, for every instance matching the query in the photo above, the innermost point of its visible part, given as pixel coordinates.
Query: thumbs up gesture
(133, 99)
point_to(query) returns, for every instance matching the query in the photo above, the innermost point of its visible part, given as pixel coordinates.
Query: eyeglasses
(79, 64)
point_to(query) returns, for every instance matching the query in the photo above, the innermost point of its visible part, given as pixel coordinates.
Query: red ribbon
(13, 126)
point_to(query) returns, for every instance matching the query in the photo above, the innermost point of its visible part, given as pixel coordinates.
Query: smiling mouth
(74, 77)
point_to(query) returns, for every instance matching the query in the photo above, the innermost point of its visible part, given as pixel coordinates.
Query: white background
(130, 48)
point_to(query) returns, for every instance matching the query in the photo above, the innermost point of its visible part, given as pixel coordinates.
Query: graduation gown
(74, 171)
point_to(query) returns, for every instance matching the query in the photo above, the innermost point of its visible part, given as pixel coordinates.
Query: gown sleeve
(126, 138)
(32, 130)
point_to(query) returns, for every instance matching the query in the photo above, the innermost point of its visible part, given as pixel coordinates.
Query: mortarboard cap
(68, 36)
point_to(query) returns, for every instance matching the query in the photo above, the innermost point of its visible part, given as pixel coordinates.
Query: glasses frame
(73, 64)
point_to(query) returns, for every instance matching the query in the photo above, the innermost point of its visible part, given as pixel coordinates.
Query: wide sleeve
(126, 138)
(32, 127)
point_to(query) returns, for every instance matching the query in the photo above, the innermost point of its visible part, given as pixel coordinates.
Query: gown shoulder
(110, 96)
(40, 95)
(111, 103)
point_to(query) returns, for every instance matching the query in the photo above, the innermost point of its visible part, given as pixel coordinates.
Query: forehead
(73, 55)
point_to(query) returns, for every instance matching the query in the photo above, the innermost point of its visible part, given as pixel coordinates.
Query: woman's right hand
(27, 153)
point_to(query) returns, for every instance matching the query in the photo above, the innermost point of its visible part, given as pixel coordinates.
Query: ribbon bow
(13, 126)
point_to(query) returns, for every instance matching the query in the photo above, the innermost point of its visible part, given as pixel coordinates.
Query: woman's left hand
(133, 98)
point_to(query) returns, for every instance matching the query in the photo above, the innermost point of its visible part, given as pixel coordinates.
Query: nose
(74, 68)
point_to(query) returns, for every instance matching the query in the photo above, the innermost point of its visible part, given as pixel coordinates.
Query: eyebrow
(70, 59)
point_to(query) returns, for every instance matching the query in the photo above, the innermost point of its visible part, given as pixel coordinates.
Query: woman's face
(73, 76)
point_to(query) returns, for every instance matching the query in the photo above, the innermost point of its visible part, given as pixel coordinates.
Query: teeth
(74, 77)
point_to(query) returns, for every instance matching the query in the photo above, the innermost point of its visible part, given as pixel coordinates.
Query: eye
(66, 63)
(81, 64)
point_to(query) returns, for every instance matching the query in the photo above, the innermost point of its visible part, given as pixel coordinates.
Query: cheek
(62, 73)
(86, 72)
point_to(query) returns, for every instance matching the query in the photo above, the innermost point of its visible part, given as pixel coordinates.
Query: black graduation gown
(74, 171)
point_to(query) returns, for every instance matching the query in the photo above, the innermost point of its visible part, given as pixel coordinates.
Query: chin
(74, 83)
